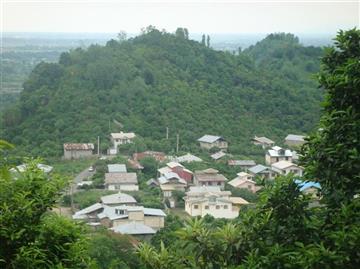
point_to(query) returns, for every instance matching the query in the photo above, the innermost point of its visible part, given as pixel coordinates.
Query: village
(184, 184)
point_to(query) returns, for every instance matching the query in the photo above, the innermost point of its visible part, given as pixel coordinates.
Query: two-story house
(276, 154)
(285, 167)
(262, 171)
(210, 141)
(209, 177)
(118, 139)
(244, 181)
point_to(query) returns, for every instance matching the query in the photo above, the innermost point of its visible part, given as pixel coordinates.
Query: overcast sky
(201, 16)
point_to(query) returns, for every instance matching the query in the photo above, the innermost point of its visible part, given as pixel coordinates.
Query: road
(84, 175)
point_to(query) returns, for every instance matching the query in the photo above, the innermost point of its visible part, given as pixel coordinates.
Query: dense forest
(158, 80)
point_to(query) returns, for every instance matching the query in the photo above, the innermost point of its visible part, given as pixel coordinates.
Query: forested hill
(160, 80)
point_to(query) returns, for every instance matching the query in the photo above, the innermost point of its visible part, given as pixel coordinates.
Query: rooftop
(116, 168)
(258, 169)
(283, 165)
(242, 162)
(123, 135)
(78, 146)
(293, 137)
(263, 139)
(121, 178)
(133, 228)
(209, 138)
(118, 198)
(218, 155)
(188, 158)
(209, 175)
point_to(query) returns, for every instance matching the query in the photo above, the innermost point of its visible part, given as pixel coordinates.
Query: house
(244, 181)
(134, 228)
(113, 216)
(120, 209)
(90, 213)
(22, 168)
(188, 158)
(116, 168)
(309, 187)
(152, 183)
(209, 177)
(210, 141)
(238, 202)
(263, 141)
(177, 168)
(118, 139)
(157, 155)
(78, 150)
(121, 181)
(218, 155)
(276, 154)
(170, 182)
(285, 167)
(209, 200)
(262, 172)
(294, 140)
(118, 199)
(243, 164)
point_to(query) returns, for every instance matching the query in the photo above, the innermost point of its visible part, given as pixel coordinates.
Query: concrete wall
(217, 210)
(122, 187)
(77, 154)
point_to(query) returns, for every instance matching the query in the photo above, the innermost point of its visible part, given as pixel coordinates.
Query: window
(225, 207)
(219, 183)
(287, 158)
(217, 207)
(206, 207)
(119, 211)
(196, 206)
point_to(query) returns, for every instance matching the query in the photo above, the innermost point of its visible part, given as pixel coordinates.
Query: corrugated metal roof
(122, 135)
(307, 184)
(81, 214)
(263, 139)
(293, 137)
(283, 165)
(188, 158)
(116, 168)
(118, 198)
(154, 212)
(133, 228)
(78, 146)
(218, 155)
(209, 138)
(242, 162)
(120, 178)
(258, 168)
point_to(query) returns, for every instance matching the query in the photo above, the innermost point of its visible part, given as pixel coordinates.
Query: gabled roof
(258, 169)
(237, 182)
(173, 164)
(133, 228)
(121, 178)
(164, 170)
(242, 162)
(263, 140)
(118, 198)
(307, 184)
(78, 146)
(116, 168)
(293, 137)
(122, 135)
(82, 214)
(210, 138)
(243, 174)
(238, 201)
(152, 181)
(154, 212)
(207, 171)
(218, 155)
(283, 165)
(188, 158)
(209, 175)
(165, 178)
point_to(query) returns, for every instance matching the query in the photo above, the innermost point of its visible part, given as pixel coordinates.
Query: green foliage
(86, 198)
(332, 155)
(30, 236)
(150, 167)
(158, 80)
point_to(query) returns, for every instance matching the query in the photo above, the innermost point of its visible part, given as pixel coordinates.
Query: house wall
(219, 144)
(122, 187)
(221, 184)
(217, 210)
(155, 222)
(293, 143)
(270, 160)
(77, 154)
(136, 215)
(105, 222)
(248, 185)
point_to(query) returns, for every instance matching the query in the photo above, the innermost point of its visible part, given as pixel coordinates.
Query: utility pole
(98, 146)
(109, 127)
(177, 143)
(167, 132)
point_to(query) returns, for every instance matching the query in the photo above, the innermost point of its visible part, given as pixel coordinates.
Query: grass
(71, 167)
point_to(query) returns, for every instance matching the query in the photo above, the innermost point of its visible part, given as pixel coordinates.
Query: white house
(200, 201)
(118, 199)
(121, 181)
(121, 138)
(276, 154)
(244, 181)
(285, 167)
(294, 140)
(170, 182)
(210, 141)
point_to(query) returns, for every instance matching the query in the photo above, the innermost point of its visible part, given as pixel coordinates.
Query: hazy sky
(201, 16)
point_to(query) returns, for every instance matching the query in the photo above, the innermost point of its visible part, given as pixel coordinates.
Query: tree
(203, 40)
(332, 154)
(208, 41)
(30, 235)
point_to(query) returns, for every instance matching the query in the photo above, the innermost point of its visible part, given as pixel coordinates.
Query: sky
(200, 16)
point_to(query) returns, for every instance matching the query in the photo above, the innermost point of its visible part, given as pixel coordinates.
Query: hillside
(159, 80)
